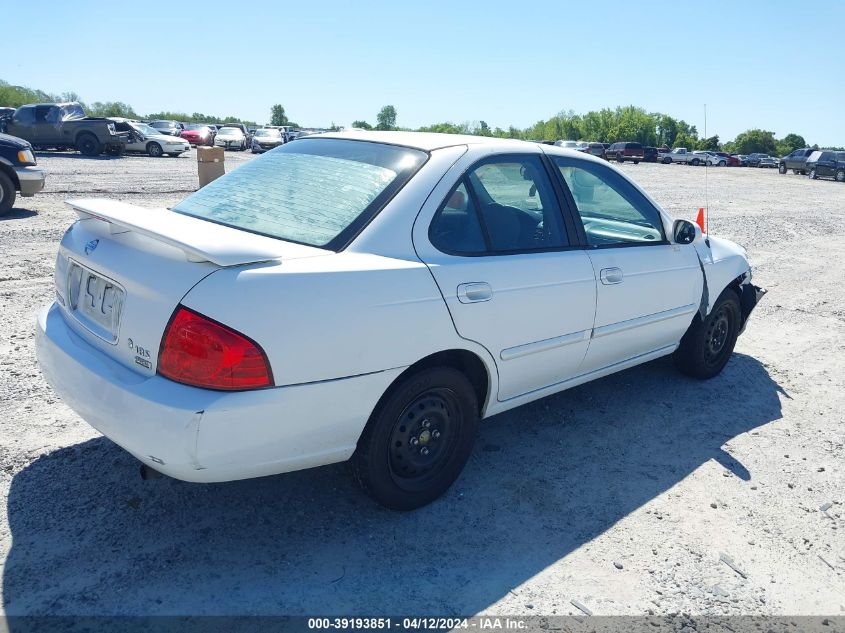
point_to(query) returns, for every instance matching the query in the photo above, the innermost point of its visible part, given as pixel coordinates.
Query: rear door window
(456, 229)
(503, 205)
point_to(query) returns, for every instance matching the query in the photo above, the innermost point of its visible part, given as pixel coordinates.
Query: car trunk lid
(122, 270)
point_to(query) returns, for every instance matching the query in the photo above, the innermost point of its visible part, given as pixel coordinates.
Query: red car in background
(198, 135)
(732, 160)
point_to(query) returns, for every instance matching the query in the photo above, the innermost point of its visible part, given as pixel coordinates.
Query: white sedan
(230, 138)
(371, 296)
(148, 140)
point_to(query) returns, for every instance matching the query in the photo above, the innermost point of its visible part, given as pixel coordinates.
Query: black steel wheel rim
(718, 334)
(423, 438)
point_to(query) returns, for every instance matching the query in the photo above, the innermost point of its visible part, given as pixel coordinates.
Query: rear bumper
(200, 435)
(31, 180)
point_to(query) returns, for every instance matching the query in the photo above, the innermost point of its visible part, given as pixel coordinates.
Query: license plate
(95, 301)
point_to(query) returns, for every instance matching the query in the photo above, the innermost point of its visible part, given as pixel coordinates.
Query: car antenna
(706, 202)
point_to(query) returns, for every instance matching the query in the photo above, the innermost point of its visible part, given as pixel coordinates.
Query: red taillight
(203, 353)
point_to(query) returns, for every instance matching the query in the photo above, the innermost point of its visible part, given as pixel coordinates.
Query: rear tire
(88, 145)
(7, 194)
(667, 161)
(722, 163)
(812, 174)
(782, 168)
(708, 344)
(418, 439)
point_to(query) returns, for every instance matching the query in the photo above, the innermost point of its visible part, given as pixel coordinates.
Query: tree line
(623, 123)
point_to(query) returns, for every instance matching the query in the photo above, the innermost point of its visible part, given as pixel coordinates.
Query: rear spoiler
(200, 240)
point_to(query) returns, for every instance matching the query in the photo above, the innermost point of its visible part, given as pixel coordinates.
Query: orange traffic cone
(700, 219)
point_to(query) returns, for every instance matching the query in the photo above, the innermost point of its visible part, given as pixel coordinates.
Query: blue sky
(770, 64)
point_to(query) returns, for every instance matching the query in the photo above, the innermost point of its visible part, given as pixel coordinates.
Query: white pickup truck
(680, 155)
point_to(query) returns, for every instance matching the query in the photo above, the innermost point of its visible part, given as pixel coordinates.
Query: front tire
(418, 439)
(840, 175)
(7, 194)
(782, 168)
(695, 162)
(812, 175)
(708, 344)
(154, 150)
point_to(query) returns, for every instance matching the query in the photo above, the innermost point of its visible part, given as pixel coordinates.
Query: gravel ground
(644, 492)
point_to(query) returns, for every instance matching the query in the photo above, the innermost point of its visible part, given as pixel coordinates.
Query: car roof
(425, 141)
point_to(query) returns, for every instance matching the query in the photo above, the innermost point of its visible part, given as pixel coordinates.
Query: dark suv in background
(18, 171)
(796, 161)
(826, 163)
(625, 151)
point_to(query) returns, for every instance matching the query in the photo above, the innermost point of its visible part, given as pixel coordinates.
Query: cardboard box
(210, 164)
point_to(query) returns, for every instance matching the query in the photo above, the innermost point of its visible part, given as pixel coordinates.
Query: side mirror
(685, 232)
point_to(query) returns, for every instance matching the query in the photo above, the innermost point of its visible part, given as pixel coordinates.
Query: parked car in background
(148, 140)
(730, 159)
(742, 158)
(649, 154)
(243, 128)
(441, 251)
(567, 144)
(595, 149)
(198, 134)
(19, 171)
(231, 138)
(826, 164)
(173, 128)
(266, 138)
(682, 155)
(761, 160)
(796, 161)
(63, 126)
(5, 115)
(711, 158)
(623, 151)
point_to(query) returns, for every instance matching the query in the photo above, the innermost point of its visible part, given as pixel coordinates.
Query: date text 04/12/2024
(419, 623)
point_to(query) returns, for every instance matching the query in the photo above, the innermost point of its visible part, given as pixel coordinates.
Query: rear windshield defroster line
(318, 192)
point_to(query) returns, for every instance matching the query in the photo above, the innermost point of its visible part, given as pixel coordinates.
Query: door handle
(474, 292)
(611, 276)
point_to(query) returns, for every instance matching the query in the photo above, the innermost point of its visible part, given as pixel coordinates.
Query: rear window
(318, 192)
(633, 146)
